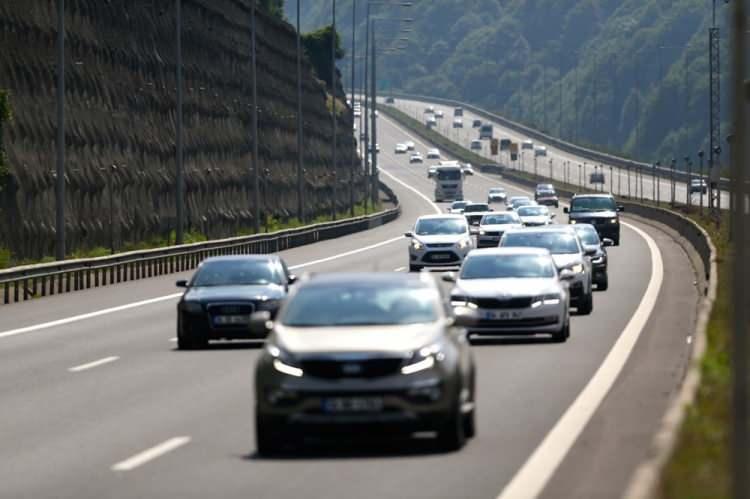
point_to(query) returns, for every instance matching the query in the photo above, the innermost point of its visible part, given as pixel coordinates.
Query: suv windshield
(362, 304)
(474, 208)
(557, 243)
(507, 267)
(440, 226)
(500, 219)
(579, 204)
(457, 205)
(236, 273)
(497, 190)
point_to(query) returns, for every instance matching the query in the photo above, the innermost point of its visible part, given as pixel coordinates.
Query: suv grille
(440, 245)
(366, 368)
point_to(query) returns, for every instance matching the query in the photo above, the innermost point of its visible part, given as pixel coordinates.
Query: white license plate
(232, 320)
(503, 315)
(441, 257)
(352, 404)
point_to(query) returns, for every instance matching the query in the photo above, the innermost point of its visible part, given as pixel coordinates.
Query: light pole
(700, 157)
(672, 186)
(687, 183)
(333, 110)
(300, 200)
(254, 84)
(657, 182)
(60, 166)
(354, 155)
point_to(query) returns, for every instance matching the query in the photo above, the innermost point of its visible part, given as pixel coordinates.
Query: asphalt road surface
(100, 404)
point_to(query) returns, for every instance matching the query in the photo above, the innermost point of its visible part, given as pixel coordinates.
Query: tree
(318, 48)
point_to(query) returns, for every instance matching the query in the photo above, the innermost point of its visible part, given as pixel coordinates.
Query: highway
(616, 179)
(100, 404)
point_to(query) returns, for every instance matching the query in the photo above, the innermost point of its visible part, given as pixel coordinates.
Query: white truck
(449, 181)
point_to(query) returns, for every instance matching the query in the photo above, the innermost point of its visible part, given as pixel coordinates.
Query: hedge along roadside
(26, 282)
(646, 479)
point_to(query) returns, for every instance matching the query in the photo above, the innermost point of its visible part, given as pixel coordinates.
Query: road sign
(493, 147)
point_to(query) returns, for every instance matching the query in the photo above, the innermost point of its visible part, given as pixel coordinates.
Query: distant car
(400, 149)
(376, 148)
(416, 158)
(476, 123)
(433, 154)
(496, 195)
(459, 111)
(457, 207)
(518, 201)
(429, 109)
(545, 194)
(474, 212)
(596, 249)
(467, 169)
(699, 186)
(458, 123)
(439, 113)
(534, 216)
(223, 293)
(540, 151)
(567, 252)
(527, 144)
(390, 100)
(476, 145)
(431, 171)
(431, 122)
(409, 145)
(514, 291)
(439, 241)
(599, 210)
(492, 226)
(357, 113)
(382, 352)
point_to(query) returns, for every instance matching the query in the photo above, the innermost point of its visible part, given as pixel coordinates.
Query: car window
(354, 304)
(556, 242)
(440, 226)
(532, 211)
(588, 235)
(237, 273)
(459, 204)
(579, 204)
(473, 208)
(500, 219)
(507, 267)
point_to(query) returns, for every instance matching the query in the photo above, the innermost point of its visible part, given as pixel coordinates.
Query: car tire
(190, 342)
(267, 441)
(451, 436)
(616, 240)
(414, 268)
(603, 284)
(586, 305)
(562, 335)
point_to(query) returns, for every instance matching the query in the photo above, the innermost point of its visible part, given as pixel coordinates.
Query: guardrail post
(6, 293)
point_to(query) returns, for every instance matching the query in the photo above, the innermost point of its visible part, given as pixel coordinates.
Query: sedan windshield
(476, 208)
(507, 267)
(500, 219)
(533, 211)
(361, 304)
(440, 226)
(236, 273)
(592, 204)
(556, 242)
(588, 235)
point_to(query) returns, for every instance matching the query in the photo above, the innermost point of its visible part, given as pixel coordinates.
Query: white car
(540, 151)
(516, 291)
(467, 169)
(476, 145)
(527, 144)
(433, 154)
(535, 216)
(457, 207)
(431, 122)
(439, 241)
(458, 123)
(496, 195)
(429, 110)
(517, 201)
(416, 158)
(492, 226)
(401, 149)
(410, 145)
(432, 171)
(439, 113)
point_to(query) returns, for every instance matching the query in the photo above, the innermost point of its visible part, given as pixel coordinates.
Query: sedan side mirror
(465, 317)
(607, 242)
(590, 252)
(620, 207)
(567, 275)
(291, 278)
(182, 283)
(566, 209)
(448, 277)
(408, 234)
(553, 215)
(261, 323)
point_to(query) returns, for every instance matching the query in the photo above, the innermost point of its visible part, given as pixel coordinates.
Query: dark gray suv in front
(599, 210)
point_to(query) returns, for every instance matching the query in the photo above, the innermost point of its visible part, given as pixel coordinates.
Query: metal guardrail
(590, 154)
(46, 279)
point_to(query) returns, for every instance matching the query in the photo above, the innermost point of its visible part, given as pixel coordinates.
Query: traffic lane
(621, 177)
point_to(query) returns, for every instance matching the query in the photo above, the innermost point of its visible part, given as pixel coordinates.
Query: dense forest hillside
(629, 76)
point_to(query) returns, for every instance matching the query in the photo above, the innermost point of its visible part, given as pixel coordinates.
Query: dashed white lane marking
(173, 339)
(91, 365)
(150, 454)
(399, 269)
(539, 468)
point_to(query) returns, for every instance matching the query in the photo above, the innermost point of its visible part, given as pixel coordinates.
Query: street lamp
(300, 200)
(333, 108)
(701, 154)
(254, 84)
(60, 166)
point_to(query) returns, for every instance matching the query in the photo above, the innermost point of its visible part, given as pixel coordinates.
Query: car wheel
(603, 284)
(616, 240)
(557, 205)
(414, 268)
(190, 342)
(451, 436)
(563, 335)
(267, 441)
(586, 304)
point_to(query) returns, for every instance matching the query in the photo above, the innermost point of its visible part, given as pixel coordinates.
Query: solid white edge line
(91, 365)
(533, 476)
(348, 253)
(415, 191)
(150, 454)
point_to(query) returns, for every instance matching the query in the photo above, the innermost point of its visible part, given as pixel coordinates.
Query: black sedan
(224, 292)
(597, 249)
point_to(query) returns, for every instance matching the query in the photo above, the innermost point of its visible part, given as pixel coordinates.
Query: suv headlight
(464, 243)
(548, 299)
(577, 268)
(481, 232)
(416, 245)
(283, 362)
(424, 359)
(597, 260)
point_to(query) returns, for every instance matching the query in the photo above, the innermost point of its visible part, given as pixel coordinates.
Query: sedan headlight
(464, 243)
(577, 268)
(481, 232)
(416, 245)
(548, 299)
(192, 307)
(573, 222)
